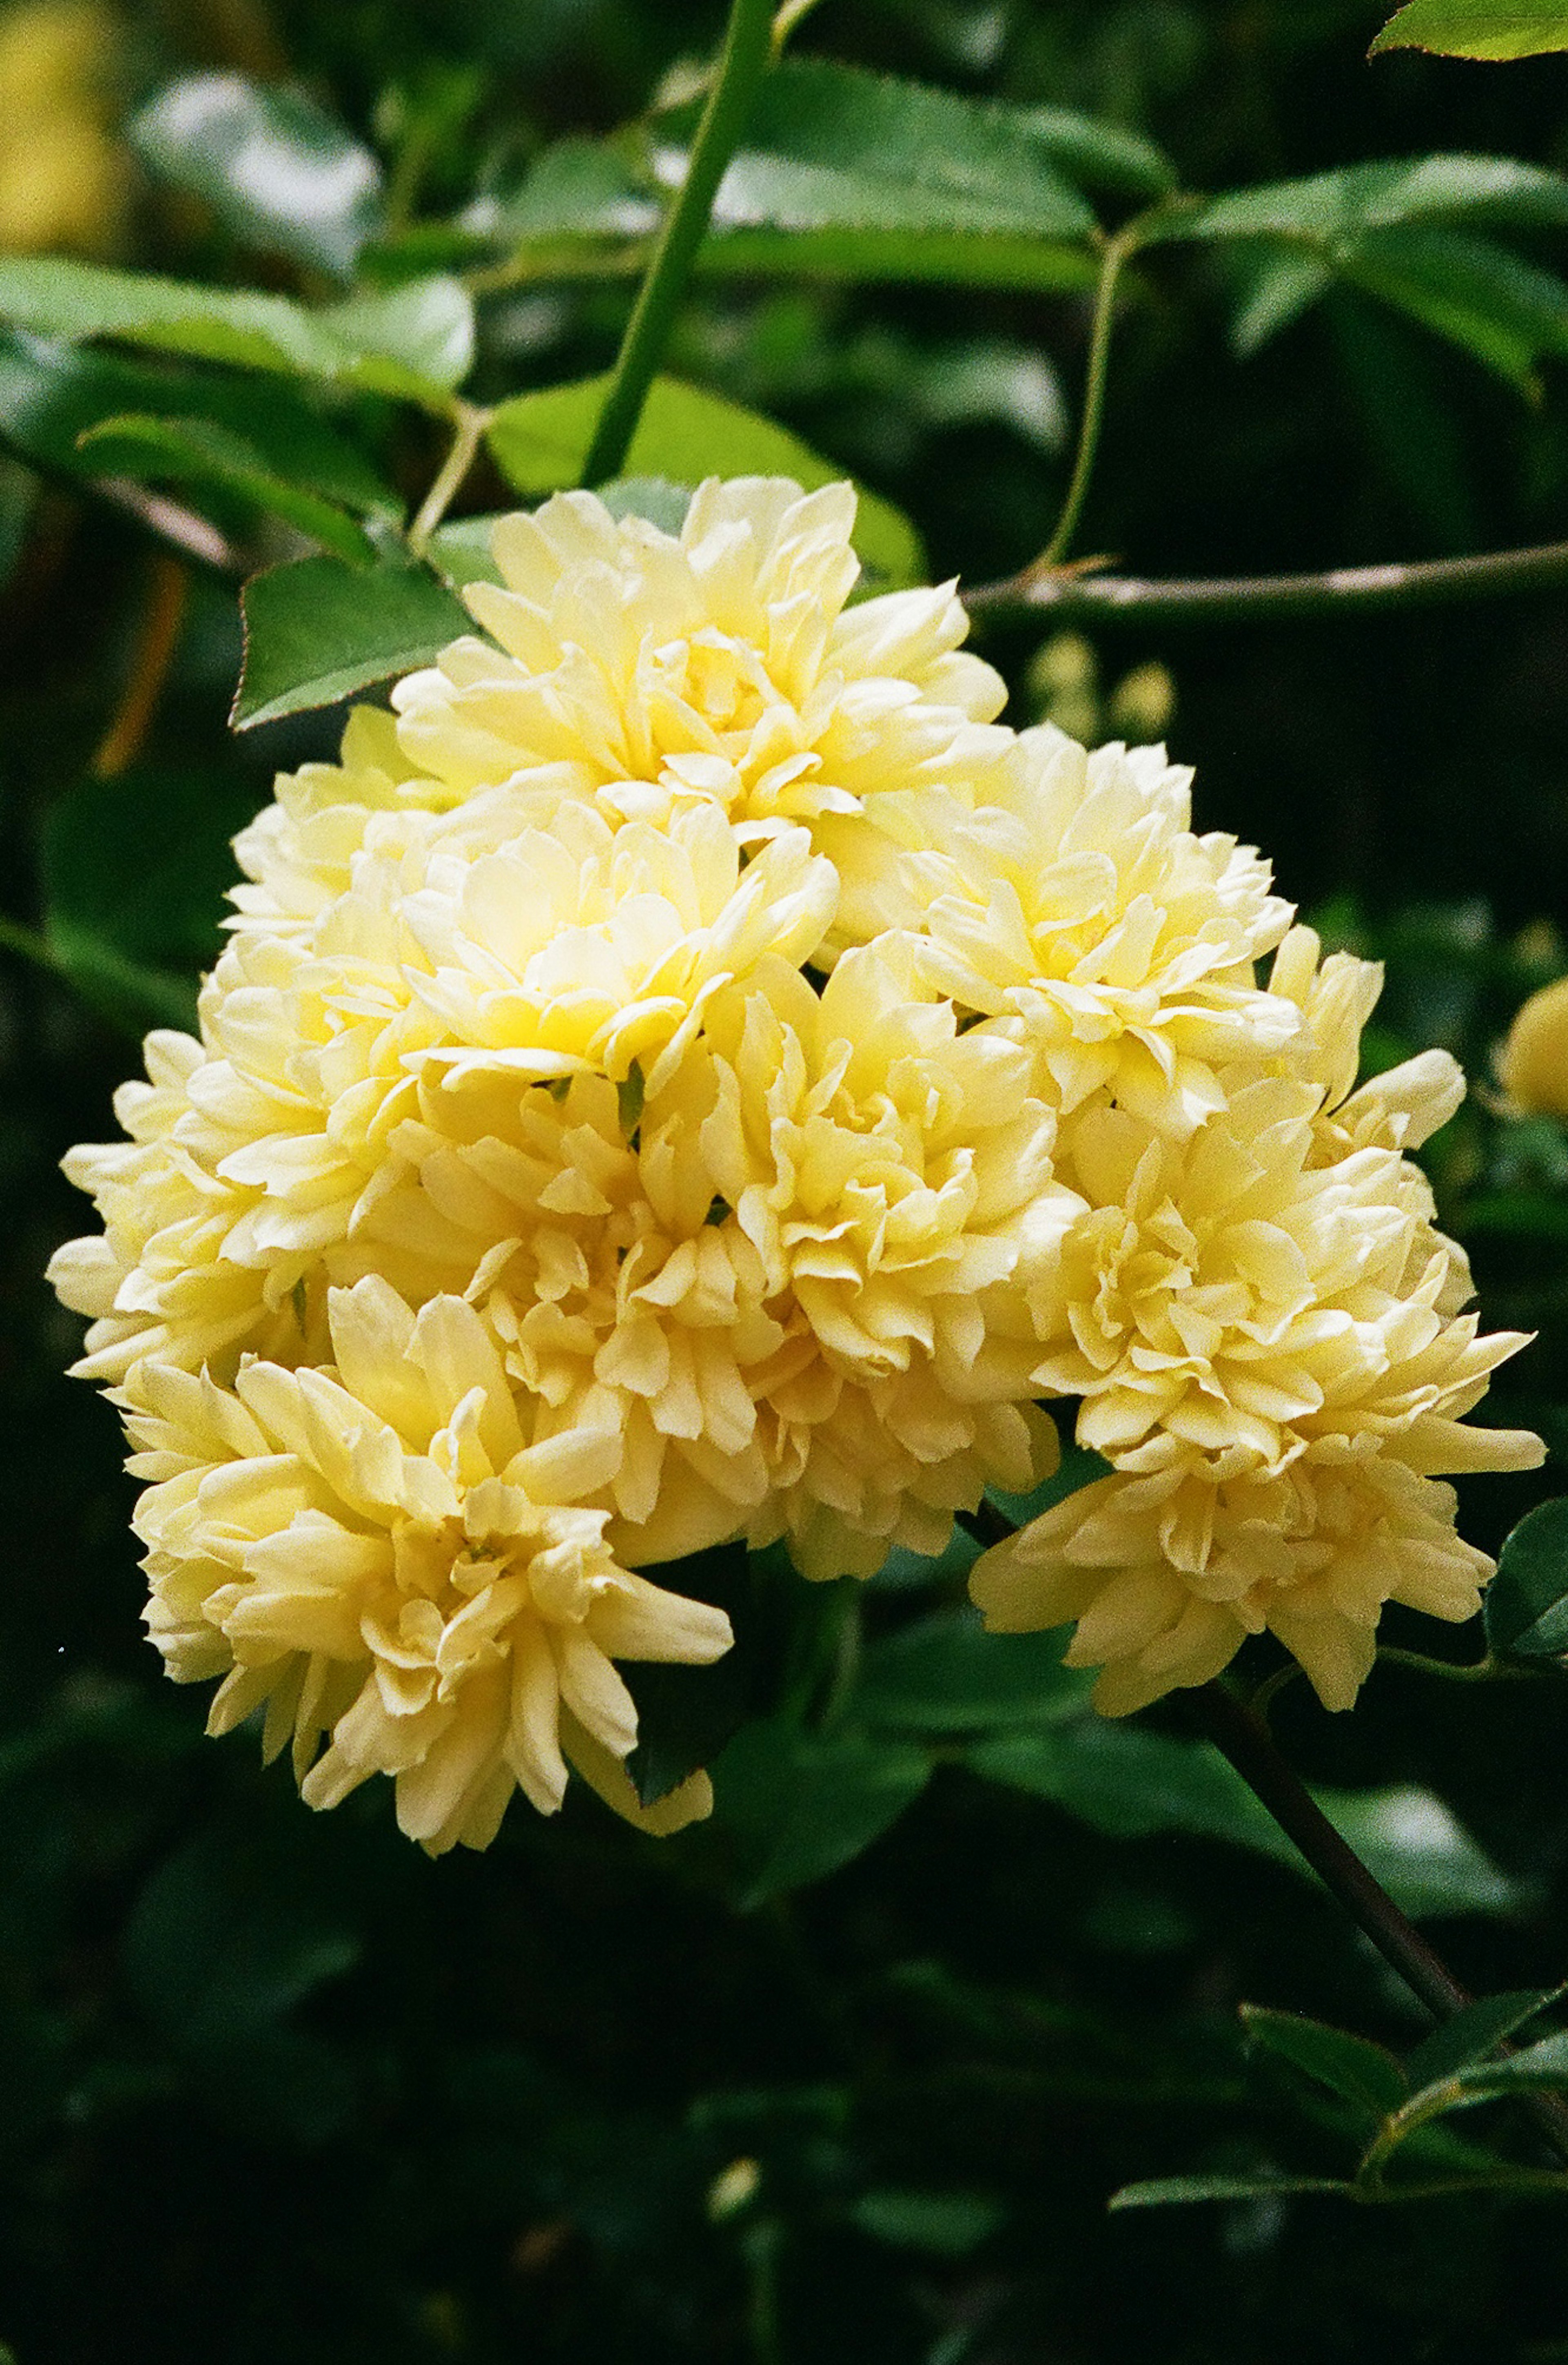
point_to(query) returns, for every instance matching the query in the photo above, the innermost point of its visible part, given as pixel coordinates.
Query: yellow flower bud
(1532, 1065)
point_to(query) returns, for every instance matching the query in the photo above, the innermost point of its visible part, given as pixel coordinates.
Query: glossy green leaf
(1477, 28)
(317, 631)
(414, 342)
(1542, 2068)
(1525, 1605)
(1474, 2033)
(1351, 2066)
(794, 1805)
(832, 147)
(197, 451)
(135, 870)
(946, 1674)
(277, 169)
(1167, 2191)
(1333, 210)
(540, 440)
(54, 394)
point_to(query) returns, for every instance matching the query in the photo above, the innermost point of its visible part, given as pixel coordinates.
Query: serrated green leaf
(1351, 2066)
(795, 1805)
(134, 873)
(1472, 2034)
(946, 1674)
(1334, 210)
(185, 450)
(317, 631)
(540, 441)
(1477, 28)
(1525, 1605)
(1168, 2191)
(366, 342)
(276, 169)
(51, 395)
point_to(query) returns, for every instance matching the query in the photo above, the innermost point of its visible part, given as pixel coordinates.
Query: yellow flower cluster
(689, 1074)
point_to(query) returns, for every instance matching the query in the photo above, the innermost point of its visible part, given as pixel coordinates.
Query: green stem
(1114, 254)
(741, 68)
(471, 421)
(1488, 1670)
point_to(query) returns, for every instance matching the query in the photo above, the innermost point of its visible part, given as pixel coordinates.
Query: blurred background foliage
(851, 2075)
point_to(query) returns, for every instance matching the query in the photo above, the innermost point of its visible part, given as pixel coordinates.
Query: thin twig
(740, 67)
(157, 638)
(471, 421)
(173, 523)
(1114, 255)
(1075, 596)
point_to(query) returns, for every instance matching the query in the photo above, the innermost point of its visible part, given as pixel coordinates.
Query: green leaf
(796, 1805)
(1472, 2034)
(52, 395)
(1334, 210)
(832, 147)
(135, 870)
(1539, 2068)
(1271, 288)
(1166, 2191)
(946, 1674)
(1098, 155)
(540, 441)
(1423, 1855)
(280, 173)
(199, 451)
(949, 2224)
(1525, 1605)
(1350, 2067)
(317, 631)
(1507, 312)
(684, 1714)
(1477, 28)
(414, 342)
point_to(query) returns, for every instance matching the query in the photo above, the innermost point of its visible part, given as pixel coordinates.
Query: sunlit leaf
(1477, 28)
(276, 169)
(1335, 208)
(317, 631)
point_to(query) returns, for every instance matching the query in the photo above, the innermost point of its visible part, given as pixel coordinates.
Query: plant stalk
(469, 428)
(748, 46)
(1114, 254)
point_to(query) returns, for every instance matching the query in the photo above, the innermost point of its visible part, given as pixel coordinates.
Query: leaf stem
(471, 420)
(1077, 595)
(1113, 256)
(740, 67)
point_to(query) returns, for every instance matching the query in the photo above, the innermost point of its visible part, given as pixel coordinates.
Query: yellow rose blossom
(379, 1555)
(1399, 1109)
(1532, 1065)
(1079, 902)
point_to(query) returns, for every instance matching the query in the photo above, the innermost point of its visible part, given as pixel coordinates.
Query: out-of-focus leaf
(1271, 286)
(1420, 1852)
(1509, 313)
(948, 2224)
(946, 1674)
(577, 190)
(1098, 155)
(1399, 381)
(1351, 2066)
(413, 343)
(796, 1805)
(134, 874)
(277, 169)
(1477, 28)
(197, 451)
(1472, 2034)
(1525, 1605)
(52, 395)
(317, 631)
(540, 441)
(831, 147)
(1539, 2068)
(1335, 208)
(1165, 2192)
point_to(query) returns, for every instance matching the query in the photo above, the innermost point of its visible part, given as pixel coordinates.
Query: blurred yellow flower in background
(1532, 1065)
(64, 180)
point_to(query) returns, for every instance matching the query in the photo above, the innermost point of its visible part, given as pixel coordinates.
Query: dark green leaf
(134, 875)
(1164, 2191)
(1525, 1605)
(1271, 286)
(685, 1715)
(51, 395)
(278, 171)
(796, 1805)
(949, 2224)
(1078, 1467)
(1098, 155)
(1474, 2033)
(317, 631)
(197, 451)
(414, 342)
(1333, 210)
(1350, 2067)
(946, 1674)
(1542, 2068)
(541, 440)
(1507, 312)
(1478, 28)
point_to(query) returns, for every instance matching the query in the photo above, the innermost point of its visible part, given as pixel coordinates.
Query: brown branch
(1077, 596)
